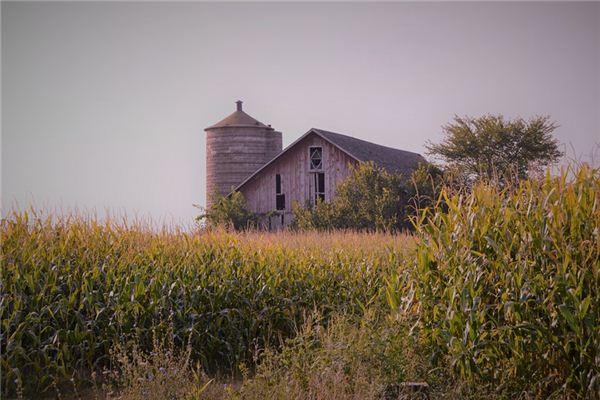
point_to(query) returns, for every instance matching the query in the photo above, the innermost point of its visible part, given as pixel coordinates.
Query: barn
(245, 155)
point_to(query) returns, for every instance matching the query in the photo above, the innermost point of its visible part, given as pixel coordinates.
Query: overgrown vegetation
(230, 212)
(370, 199)
(373, 199)
(165, 372)
(347, 358)
(343, 357)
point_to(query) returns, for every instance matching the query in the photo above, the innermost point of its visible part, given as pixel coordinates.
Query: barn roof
(393, 160)
(239, 119)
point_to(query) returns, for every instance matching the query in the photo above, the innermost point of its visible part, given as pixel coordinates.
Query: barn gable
(297, 181)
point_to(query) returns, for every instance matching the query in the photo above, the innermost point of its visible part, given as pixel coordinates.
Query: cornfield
(73, 287)
(500, 289)
(506, 285)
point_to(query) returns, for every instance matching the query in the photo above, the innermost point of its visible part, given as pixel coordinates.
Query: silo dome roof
(239, 119)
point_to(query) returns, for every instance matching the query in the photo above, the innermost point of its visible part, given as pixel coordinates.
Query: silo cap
(239, 119)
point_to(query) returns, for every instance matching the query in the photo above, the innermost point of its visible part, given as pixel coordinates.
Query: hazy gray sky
(104, 104)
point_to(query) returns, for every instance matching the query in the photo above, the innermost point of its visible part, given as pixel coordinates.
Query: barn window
(280, 201)
(279, 197)
(316, 158)
(319, 187)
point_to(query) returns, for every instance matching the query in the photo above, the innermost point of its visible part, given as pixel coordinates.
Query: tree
(230, 211)
(371, 198)
(489, 146)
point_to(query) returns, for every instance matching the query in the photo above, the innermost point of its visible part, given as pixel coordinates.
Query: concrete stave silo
(236, 147)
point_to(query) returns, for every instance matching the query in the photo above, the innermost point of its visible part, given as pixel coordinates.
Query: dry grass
(347, 358)
(312, 242)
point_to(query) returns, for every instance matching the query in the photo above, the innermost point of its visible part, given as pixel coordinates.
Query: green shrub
(370, 199)
(507, 285)
(231, 212)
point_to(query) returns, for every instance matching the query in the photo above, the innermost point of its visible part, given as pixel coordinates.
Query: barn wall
(294, 168)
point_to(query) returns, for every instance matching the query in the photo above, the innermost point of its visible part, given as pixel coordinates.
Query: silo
(236, 147)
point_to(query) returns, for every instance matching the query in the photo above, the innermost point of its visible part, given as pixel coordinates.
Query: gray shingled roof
(394, 160)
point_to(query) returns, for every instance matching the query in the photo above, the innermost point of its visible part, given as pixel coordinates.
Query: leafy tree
(321, 216)
(371, 198)
(230, 211)
(491, 147)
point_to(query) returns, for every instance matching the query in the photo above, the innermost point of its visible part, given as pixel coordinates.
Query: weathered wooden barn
(244, 154)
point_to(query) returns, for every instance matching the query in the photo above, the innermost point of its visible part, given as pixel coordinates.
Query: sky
(104, 105)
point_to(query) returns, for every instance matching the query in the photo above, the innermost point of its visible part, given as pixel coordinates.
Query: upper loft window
(316, 158)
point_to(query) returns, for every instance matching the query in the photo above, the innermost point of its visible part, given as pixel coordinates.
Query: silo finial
(239, 105)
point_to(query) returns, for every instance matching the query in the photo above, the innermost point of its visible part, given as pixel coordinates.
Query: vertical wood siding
(233, 154)
(296, 177)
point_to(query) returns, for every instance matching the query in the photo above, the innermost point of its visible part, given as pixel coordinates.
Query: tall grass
(74, 287)
(507, 285)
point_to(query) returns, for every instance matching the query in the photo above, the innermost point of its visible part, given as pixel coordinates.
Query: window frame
(319, 194)
(279, 195)
(310, 158)
(277, 183)
(280, 202)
